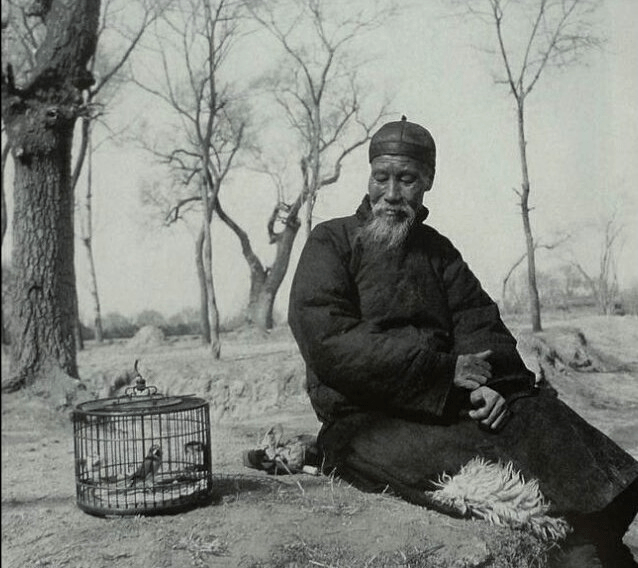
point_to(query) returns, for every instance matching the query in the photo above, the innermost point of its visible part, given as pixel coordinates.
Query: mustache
(403, 209)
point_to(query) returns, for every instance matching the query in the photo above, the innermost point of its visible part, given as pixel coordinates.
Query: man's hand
(472, 370)
(490, 408)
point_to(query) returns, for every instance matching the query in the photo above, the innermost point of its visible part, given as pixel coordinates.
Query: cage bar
(142, 453)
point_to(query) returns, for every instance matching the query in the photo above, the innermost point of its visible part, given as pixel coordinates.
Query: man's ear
(429, 182)
(427, 177)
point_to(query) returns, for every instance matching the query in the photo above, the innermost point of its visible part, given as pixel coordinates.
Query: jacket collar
(364, 212)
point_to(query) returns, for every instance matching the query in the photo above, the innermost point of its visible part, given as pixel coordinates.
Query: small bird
(91, 465)
(194, 451)
(149, 467)
(194, 447)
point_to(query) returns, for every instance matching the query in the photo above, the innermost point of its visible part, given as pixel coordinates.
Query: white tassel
(499, 494)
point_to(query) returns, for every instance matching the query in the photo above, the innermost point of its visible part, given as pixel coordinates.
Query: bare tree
(342, 128)
(209, 131)
(537, 245)
(317, 85)
(21, 36)
(109, 66)
(604, 282)
(39, 113)
(118, 34)
(532, 37)
(317, 88)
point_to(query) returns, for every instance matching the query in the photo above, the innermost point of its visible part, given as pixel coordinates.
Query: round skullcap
(403, 138)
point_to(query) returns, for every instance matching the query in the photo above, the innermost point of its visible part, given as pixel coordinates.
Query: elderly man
(412, 372)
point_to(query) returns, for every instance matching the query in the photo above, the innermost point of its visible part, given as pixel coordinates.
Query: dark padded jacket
(381, 331)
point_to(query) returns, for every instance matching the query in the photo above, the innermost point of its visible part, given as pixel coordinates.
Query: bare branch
(175, 213)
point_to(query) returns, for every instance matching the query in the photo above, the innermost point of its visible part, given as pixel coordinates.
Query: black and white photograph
(319, 283)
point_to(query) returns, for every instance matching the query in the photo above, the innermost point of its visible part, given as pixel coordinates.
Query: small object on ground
(298, 454)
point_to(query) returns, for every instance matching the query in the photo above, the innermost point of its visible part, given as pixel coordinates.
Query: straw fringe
(499, 494)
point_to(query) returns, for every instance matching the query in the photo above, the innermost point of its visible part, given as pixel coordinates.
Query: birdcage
(142, 453)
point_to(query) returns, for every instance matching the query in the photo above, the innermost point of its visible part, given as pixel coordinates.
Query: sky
(582, 128)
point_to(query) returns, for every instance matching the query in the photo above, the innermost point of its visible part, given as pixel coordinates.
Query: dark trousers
(585, 475)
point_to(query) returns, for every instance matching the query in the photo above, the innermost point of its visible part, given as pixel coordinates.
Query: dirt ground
(257, 520)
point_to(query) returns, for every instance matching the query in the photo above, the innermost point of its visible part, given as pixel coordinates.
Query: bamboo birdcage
(142, 453)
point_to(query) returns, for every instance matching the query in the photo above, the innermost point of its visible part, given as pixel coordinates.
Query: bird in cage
(194, 451)
(149, 467)
(91, 465)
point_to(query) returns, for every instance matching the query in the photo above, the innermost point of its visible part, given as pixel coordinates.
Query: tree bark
(265, 300)
(5, 155)
(39, 119)
(208, 202)
(258, 273)
(87, 235)
(211, 305)
(315, 165)
(43, 321)
(203, 294)
(534, 300)
(77, 326)
(3, 212)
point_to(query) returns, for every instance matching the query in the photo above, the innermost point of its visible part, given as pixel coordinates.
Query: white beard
(388, 232)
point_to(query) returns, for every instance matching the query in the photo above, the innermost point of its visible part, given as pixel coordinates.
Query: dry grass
(256, 520)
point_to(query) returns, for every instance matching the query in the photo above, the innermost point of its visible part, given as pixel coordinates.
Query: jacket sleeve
(477, 326)
(395, 369)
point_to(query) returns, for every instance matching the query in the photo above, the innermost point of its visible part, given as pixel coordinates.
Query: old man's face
(396, 188)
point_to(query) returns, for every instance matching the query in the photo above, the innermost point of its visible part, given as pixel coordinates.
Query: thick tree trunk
(43, 319)
(534, 300)
(257, 272)
(263, 310)
(39, 119)
(257, 283)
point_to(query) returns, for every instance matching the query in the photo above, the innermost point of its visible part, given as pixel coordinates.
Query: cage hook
(140, 382)
(140, 387)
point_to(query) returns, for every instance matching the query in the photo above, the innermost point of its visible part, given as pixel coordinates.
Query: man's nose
(393, 193)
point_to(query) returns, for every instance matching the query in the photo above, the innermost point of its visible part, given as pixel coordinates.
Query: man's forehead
(396, 161)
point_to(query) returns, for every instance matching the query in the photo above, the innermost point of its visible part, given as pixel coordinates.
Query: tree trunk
(5, 155)
(39, 119)
(257, 283)
(77, 326)
(3, 212)
(203, 294)
(534, 301)
(207, 262)
(97, 310)
(87, 237)
(316, 167)
(43, 320)
(257, 272)
(75, 176)
(263, 310)
(213, 313)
